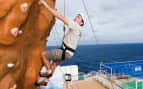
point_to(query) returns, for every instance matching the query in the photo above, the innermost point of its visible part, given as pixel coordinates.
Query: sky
(114, 21)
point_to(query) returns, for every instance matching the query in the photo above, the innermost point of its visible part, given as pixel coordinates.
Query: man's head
(80, 19)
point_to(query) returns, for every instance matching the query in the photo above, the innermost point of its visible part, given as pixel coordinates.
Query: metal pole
(64, 7)
(136, 84)
(100, 67)
(64, 28)
(111, 73)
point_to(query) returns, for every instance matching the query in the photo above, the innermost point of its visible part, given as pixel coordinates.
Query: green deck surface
(132, 85)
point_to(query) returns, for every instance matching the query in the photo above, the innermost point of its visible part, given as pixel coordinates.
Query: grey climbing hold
(24, 7)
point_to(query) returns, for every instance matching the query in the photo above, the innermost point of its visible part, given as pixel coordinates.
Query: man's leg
(59, 61)
(54, 55)
(46, 61)
(53, 66)
(41, 80)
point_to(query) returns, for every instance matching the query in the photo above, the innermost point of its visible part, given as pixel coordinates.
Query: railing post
(111, 73)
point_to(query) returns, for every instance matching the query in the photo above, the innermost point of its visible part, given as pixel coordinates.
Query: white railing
(106, 82)
(137, 84)
(107, 67)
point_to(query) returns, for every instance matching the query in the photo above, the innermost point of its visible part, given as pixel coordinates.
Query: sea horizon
(89, 57)
(101, 44)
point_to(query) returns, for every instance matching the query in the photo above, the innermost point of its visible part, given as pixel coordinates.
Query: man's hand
(40, 3)
(55, 12)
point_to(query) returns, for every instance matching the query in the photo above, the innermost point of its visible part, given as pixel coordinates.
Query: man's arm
(55, 12)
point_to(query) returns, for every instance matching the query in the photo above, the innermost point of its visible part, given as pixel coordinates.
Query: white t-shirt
(73, 35)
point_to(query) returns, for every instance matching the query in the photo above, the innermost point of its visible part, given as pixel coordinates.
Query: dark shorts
(56, 56)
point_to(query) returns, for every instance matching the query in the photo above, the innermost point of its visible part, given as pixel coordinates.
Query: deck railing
(105, 81)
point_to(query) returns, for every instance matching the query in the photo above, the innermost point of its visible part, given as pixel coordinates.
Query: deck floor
(85, 84)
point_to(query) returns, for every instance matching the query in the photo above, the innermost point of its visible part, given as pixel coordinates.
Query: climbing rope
(91, 25)
(55, 36)
(86, 10)
(45, 4)
(64, 28)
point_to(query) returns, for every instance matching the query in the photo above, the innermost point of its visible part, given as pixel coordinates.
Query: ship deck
(84, 84)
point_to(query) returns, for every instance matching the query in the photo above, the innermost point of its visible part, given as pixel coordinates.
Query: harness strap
(68, 48)
(64, 50)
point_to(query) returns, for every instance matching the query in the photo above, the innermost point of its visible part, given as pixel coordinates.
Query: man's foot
(53, 66)
(45, 75)
(42, 81)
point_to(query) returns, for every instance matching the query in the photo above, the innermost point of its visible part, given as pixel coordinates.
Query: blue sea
(89, 57)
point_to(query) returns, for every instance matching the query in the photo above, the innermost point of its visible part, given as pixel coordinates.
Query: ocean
(89, 57)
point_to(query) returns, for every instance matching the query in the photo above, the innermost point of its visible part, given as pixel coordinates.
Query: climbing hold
(10, 65)
(14, 32)
(14, 86)
(20, 32)
(24, 7)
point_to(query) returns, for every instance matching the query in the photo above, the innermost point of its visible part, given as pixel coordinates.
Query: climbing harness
(65, 48)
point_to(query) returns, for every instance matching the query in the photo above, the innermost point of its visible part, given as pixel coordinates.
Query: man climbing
(52, 58)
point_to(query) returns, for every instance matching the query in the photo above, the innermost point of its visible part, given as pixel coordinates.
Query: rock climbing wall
(24, 26)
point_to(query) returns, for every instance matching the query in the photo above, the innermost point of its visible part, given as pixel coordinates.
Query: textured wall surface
(20, 60)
